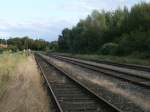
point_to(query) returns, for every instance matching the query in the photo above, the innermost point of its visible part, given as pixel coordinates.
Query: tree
(28, 43)
(123, 29)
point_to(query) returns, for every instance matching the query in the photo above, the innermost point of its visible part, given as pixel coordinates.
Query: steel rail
(136, 79)
(114, 108)
(130, 66)
(58, 107)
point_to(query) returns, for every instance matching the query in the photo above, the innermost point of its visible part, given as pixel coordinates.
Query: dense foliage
(119, 32)
(26, 43)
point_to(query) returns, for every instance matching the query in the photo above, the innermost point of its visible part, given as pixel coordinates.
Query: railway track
(68, 94)
(141, 80)
(130, 66)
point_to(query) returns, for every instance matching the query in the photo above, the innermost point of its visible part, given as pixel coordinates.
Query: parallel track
(70, 95)
(130, 66)
(136, 79)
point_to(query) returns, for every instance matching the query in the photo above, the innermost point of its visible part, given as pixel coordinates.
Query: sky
(47, 18)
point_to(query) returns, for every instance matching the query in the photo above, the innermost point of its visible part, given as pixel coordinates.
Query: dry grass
(136, 98)
(21, 85)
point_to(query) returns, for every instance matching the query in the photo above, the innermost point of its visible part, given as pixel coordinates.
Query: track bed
(71, 96)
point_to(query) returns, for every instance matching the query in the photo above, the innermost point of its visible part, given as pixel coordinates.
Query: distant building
(3, 46)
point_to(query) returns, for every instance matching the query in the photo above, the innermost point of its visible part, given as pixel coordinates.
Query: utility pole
(1, 41)
(27, 44)
(6, 42)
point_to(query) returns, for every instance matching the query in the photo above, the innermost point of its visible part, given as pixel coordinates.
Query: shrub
(109, 48)
(135, 42)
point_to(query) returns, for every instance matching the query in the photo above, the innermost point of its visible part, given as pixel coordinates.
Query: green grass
(116, 59)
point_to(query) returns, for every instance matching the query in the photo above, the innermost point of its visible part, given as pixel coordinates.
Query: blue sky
(46, 18)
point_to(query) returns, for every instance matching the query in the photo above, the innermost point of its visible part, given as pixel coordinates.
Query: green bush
(1, 50)
(140, 55)
(135, 42)
(13, 48)
(109, 48)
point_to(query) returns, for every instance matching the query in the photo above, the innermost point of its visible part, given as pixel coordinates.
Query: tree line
(119, 32)
(26, 43)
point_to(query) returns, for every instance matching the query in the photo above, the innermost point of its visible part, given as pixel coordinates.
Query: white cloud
(43, 29)
(67, 13)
